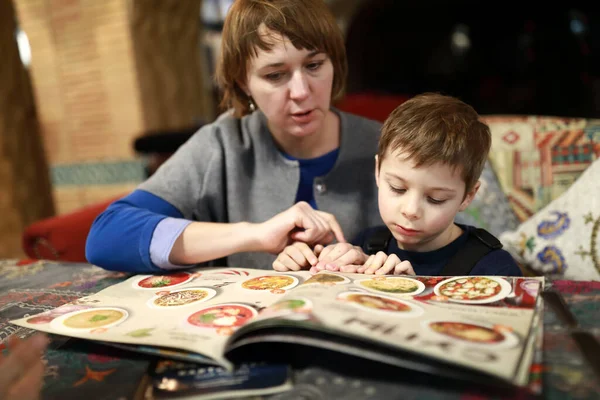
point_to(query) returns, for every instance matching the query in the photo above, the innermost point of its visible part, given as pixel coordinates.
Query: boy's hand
(297, 256)
(382, 264)
(342, 257)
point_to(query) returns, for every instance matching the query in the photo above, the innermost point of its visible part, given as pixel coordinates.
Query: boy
(431, 153)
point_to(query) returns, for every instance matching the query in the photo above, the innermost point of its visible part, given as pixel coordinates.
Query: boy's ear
(470, 196)
(377, 170)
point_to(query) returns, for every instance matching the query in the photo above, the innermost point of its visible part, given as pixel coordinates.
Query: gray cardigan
(232, 171)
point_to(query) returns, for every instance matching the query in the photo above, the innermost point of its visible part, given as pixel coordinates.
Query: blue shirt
(309, 170)
(430, 263)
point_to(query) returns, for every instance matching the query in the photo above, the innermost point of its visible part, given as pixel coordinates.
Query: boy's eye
(435, 201)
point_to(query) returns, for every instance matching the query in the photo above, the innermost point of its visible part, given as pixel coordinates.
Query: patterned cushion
(490, 209)
(538, 158)
(562, 239)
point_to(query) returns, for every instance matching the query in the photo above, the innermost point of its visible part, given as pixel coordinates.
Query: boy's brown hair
(308, 24)
(432, 128)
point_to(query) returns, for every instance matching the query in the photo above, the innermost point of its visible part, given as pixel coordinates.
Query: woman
(281, 166)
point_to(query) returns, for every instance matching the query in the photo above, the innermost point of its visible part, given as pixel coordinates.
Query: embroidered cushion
(563, 239)
(538, 158)
(490, 208)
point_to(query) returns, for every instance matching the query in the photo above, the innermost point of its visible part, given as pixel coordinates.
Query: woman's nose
(299, 89)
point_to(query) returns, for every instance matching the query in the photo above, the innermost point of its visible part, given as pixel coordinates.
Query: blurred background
(95, 94)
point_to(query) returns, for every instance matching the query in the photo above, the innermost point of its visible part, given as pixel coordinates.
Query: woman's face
(291, 87)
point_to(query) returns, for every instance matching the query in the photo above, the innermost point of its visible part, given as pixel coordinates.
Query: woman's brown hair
(308, 24)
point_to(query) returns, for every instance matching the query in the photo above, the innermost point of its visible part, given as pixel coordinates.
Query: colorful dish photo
(473, 289)
(379, 303)
(392, 285)
(154, 282)
(228, 315)
(181, 298)
(48, 316)
(473, 333)
(287, 307)
(327, 279)
(90, 319)
(270, 282)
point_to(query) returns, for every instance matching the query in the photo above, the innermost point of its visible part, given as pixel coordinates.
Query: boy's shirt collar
(434, 256)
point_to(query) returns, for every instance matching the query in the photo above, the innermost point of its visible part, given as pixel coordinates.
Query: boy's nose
(411, 209)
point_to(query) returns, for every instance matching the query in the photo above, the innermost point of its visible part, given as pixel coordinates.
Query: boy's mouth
(405, 231)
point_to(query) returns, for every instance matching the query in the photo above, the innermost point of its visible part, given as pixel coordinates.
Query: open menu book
(474, 327)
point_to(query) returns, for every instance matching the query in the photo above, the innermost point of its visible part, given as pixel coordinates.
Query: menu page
(473, 321)
(479, 322)
(194, 311)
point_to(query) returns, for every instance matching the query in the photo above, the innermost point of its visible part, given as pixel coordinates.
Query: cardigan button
(320, 187)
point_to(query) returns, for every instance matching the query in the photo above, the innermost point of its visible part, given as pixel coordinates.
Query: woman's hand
(296, 257)
(342, 257)
(22, 371)
(382, 264)
(299, 223)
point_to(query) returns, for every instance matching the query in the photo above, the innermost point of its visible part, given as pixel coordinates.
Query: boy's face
(418, 205)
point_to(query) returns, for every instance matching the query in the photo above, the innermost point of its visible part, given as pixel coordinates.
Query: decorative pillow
(490, 208)
(538, 158)
(563, 239)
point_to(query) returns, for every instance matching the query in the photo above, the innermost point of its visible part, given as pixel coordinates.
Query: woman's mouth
(303, 117)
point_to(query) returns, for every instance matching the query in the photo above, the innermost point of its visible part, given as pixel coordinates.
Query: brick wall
(105, 72)
(85, 87)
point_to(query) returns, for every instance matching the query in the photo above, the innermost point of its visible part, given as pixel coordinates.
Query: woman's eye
(397, 190)
(274, 76)
(436, 201)
(313, 66)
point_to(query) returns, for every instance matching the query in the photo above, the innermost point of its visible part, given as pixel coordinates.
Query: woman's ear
(470, 196)
(244, 87)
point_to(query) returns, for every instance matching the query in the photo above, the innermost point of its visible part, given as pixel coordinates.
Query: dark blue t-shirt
(430, 263)
(309, 170)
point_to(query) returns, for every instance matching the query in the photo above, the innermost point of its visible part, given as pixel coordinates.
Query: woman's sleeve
(120, 236)
(136, 233)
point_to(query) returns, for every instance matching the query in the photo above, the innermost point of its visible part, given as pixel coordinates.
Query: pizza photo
(473, 289)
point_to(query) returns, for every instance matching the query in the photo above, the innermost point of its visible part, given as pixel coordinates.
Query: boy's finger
(288, 262)
(388, 266)
(325, 252)
(332, 267)
(352, 257)
(318, 249)
(309, 255)
(350, 269)
(278, 266)
(298, 256)
(366, 265)
(404, 268)
(377, 263)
